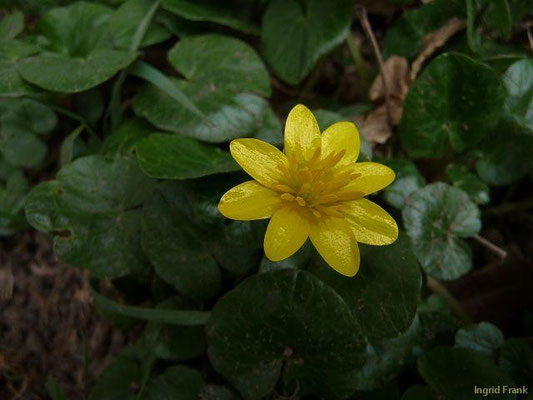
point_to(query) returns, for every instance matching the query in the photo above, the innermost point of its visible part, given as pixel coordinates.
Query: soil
(48, 327)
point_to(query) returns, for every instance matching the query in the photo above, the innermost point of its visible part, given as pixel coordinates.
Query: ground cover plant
(280, 199)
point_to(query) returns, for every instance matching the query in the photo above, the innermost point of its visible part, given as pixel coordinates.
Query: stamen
(287, 196)
(300, 201)
(316, 156)
(316, 213)
(284, 188)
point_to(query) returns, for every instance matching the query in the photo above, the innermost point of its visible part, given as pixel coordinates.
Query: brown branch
(490, 246)
(365, 23)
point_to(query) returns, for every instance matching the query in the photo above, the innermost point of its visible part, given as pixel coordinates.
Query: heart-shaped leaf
(285, 325)
(13, 189)
(178, 157)
(448, 105)
(296, 33)
(79, 53)
(437, 217)
(222, 74)
(93, 210)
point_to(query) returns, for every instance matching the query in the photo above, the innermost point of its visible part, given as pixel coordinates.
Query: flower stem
(358, 61)
(490, 246)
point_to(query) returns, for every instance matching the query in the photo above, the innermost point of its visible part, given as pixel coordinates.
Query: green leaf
(93, 208)
(518, 80)
(239, 245)
(437, 217)
(172, 342)
(79, 52)
(502, 18)
(223, 77)
(132, 28)
(174, 241)
(408, 180)
(516, 359)
(212, 11)
(177, 157)
(176, 383)
(123, 140)
(483, 337)
(470, 183)
(13, 189)
(289, 325)
(54, 389)
(21, 122)
(11, 25)
(67, 147)
(295, 34)
(120, 379)
(388, 276)
(11, 51)
(454, 372)
(154, 76)
(406, 37)
(171, 317)
(448, 105)
(506, 157)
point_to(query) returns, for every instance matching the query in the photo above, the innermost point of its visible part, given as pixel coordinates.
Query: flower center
(318, 185)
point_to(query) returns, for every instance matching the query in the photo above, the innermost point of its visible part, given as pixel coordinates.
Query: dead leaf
(396, 73)
(435, 40)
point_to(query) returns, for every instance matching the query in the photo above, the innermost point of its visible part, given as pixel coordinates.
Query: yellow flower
(313, 189)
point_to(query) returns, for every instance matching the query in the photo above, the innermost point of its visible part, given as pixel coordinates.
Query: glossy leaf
(79, 52)
(454, 372)
(224, 77)
(448, 106)
(285, 325)
(296, 33)
(437, 218)
(389, 276)
(178, 157)
(93, 210)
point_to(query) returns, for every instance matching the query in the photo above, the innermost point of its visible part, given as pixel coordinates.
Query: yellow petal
(342, 136)
(259, 159)
(287, 231)
(370, 223)
(248, 201)
(373, 177)
(302, 134)
(336, 243)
